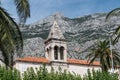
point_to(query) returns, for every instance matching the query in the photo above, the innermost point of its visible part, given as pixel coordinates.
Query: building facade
(56, 56)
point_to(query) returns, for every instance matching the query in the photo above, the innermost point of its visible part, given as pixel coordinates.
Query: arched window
(61, 53)
(48, 52)
(56, 52)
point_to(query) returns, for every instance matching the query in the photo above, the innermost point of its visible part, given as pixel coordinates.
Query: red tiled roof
(82, 62)
(44, 60)
(33, 59)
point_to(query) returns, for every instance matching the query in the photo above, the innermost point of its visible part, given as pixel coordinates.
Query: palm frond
(23, 9)
(10, 35)
(117, 31)
(91, 58)
(12, 28)
(112, 13)
(5, 55)
(102, 52)
(116, 39)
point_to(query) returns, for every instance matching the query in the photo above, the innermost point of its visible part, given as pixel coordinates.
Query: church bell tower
(55, 45)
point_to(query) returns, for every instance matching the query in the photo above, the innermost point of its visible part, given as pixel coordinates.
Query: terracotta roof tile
(44, 60)
(82, 62)
(33, 59)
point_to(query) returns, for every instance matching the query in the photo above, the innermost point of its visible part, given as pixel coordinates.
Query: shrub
(9, 74)
(42, 73)
(99, 75)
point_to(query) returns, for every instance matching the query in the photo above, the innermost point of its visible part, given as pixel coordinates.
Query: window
(56, 52)
(61, 53)
(48, 53)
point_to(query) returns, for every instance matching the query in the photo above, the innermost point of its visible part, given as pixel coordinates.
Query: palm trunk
(11, 61)
(104, 68)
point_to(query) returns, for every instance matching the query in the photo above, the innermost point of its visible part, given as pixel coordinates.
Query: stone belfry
(55, 45)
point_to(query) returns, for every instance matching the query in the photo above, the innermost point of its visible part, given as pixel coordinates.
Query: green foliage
(9, 74)
(42, 73)
(99, 75)
(11, 41)
(102, 52)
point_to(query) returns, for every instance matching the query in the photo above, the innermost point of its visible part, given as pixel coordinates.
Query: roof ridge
(45, 60)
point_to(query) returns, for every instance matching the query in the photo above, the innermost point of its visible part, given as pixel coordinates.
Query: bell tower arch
(55, 45)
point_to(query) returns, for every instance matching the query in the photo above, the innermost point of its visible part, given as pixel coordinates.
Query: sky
(41, 9)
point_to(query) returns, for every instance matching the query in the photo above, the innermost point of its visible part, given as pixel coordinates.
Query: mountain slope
(80, 33)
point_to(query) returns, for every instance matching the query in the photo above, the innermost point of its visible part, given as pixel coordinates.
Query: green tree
(101, 51)
(116, 35)
(10, 36)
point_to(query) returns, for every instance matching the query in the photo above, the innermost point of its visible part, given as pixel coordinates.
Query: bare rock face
(33, 47)
(80, 33)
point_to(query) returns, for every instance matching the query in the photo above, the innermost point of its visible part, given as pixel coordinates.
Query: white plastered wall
(81, 69)
(1, 63)
(78, 69)
(22, 66)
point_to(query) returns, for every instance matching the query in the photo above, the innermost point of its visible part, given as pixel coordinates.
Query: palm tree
(101, 52)
(10, 36)
(116, 35)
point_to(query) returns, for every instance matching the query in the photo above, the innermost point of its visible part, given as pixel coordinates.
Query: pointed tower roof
(55, 32)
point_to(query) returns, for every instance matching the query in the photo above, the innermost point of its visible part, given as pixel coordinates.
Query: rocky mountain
(80, 33)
